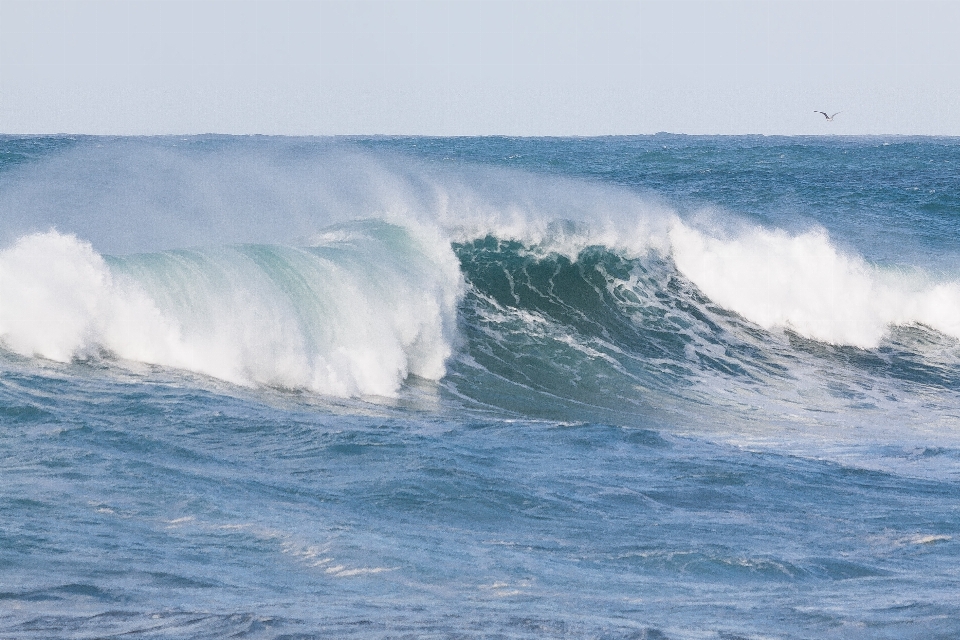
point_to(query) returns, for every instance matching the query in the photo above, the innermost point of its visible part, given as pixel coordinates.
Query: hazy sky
(479, 67)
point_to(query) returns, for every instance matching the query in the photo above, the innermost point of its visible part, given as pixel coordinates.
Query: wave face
(635, 340)
(526, 388)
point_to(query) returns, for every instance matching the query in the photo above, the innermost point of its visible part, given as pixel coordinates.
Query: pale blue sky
(479, 67)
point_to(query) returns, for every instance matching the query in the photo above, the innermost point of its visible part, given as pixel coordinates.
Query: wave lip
(354, 315)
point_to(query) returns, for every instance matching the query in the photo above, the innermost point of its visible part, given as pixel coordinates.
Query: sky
(479, 67)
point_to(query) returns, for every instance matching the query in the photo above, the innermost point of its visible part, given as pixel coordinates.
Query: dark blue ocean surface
(643, 387)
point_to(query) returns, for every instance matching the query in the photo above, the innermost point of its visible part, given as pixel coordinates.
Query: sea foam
(804, 283)
(354, 315)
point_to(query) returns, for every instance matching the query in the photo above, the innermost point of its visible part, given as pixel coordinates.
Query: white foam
(803, 282)
(551, 215)
(929, 539)
(58, 300)
(355, 319)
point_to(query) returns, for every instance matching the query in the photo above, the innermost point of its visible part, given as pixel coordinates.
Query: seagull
(829, 118)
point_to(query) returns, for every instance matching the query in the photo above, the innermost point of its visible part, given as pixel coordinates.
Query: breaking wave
(354, 314)
(345, 274)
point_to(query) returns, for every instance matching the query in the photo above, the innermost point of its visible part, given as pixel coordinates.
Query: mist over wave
(245, 260)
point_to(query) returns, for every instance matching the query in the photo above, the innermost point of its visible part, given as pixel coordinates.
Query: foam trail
(354, 315)
(804, 283)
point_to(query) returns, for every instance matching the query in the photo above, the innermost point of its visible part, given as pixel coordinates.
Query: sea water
(640, 387)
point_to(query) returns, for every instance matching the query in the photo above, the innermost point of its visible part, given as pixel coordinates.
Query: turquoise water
(647, 387)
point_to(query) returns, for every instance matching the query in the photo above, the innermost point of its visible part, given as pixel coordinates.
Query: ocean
(404, 387)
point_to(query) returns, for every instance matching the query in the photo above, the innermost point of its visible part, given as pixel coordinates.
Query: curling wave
(369, 304)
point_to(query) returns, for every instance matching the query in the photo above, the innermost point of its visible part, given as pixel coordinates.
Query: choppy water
(651, 387)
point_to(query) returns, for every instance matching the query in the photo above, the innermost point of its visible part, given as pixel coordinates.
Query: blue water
(642, 387)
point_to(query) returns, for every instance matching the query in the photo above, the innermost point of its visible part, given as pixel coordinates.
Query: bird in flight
(829, 118)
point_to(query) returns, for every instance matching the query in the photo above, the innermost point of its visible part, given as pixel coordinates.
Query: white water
(804, 283)
(355, 317)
